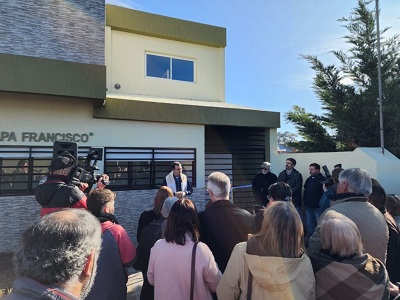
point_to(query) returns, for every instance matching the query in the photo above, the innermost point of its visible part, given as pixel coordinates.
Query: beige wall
(125, 60)
(384, 168)
(33, 113)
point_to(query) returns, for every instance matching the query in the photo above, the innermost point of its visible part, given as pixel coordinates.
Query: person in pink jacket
(170, 259)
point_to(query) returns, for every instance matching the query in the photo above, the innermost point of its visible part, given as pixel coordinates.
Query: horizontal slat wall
(237, 152)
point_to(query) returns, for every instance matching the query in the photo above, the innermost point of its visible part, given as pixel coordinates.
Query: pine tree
(348, 92)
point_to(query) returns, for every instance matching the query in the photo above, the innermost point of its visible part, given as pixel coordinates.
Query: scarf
(104, 217)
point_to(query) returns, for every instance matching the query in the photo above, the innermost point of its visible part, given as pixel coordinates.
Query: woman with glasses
(272, 263)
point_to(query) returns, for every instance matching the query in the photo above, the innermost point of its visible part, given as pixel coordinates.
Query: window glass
(182, 70)
(15, 174)
(22, 168)
(158, 66)
(169, 68)
(140, 173)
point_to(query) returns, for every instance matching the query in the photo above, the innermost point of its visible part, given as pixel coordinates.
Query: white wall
(385, 168)
(34, 113)
(125, 60)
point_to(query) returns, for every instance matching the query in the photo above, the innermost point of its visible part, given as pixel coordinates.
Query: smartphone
(257, 208)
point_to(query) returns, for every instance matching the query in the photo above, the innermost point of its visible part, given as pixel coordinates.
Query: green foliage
(348, 92)
(316, 137)
(285, 138)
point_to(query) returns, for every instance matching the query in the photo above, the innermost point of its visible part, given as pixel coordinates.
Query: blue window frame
(169, 68)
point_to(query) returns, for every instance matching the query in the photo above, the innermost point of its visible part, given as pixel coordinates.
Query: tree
(315, 135)
(348, 93)
(285, 138)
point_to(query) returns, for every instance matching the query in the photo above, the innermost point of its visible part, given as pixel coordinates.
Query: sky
(265, 39)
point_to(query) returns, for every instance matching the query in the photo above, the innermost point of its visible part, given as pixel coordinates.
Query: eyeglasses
(264, 169)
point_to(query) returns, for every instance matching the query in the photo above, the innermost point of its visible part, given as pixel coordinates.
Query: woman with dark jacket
(150, 235)
(154, 214)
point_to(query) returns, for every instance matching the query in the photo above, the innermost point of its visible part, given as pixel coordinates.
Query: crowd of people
(347, 246)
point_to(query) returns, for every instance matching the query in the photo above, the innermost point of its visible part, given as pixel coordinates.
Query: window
(21, 168)
(145, 168)
(169, 68)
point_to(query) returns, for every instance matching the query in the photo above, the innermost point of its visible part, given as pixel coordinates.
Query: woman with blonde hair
(361, 275)
(154, 214)
(272, 263)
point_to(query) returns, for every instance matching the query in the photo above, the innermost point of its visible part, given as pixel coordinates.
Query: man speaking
(177, 181)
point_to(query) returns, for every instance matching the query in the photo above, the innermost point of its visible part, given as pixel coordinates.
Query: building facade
(145, 89)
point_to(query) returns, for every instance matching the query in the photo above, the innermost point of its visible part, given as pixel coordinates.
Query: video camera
(83, 171)
(328, 181)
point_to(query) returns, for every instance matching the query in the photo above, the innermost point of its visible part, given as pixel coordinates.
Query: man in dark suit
(223, 224)
(294, 179)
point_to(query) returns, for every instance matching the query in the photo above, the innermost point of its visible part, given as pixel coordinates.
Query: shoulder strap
(250, 279)
(192, 271)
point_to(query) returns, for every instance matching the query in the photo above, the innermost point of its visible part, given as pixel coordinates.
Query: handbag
(192, 271)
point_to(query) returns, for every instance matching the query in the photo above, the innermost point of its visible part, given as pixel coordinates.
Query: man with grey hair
(58, 257)
(223, 224)
(261, 182)
(354, 187)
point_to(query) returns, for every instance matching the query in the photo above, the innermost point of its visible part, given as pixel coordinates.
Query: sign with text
(46, 137)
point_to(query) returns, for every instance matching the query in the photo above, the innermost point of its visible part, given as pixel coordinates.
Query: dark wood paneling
(237, 152)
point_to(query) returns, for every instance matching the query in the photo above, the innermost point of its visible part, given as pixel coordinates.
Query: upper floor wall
(53, 48)
(132, 35)
(70, 30)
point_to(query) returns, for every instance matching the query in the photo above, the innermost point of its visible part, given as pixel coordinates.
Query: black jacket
(313, 191)
(222, 226)
(393, 249)
(55, 193)
(260, 186)
(150, 235)
(145, 219)
(295, 181)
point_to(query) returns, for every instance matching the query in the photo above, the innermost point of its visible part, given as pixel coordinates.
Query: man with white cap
(262, 182)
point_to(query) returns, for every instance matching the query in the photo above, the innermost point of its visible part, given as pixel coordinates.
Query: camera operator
(330, 188)
(57, 192)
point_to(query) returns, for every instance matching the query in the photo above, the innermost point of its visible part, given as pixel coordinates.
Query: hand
(179, 195)
(394, 289)
(83, 186)
(324, 187)
(103, 178)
